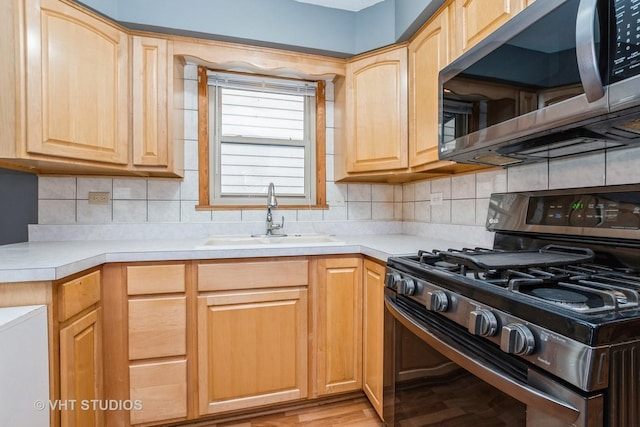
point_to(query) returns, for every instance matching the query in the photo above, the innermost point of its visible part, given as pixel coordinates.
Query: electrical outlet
(436, 199)
(99, 197)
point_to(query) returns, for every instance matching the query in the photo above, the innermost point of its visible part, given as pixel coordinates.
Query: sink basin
(276, 240)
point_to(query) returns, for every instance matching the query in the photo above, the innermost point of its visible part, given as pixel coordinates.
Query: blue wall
(278, 23)
(19, 199)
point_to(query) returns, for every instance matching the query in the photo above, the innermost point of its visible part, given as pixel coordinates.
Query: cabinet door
(476, 19)
(428, 54)
(150, 97)
(157, 86)
(81, 371)
(77, 84)
(373, 321)
(252, 348)
(376, 105)
(339, 325)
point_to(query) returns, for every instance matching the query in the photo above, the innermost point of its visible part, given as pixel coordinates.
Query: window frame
(205, 150)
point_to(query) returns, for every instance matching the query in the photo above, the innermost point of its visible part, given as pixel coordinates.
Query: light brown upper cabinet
(77, 91)
(376, 111)
(71, 82)
(157, 88)
(476, 19)
(428, 54)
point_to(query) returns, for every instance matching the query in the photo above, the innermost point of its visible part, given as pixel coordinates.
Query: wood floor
(355, 412)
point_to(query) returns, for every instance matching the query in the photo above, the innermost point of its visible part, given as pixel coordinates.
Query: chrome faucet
(272, 202)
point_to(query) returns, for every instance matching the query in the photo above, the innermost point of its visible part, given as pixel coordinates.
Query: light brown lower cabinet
(373, 332)
(158, 391)
(195, 339)
(338, 324)
(252, 348)
(81, 371)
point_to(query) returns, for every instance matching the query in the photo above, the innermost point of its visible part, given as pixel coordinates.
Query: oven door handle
(516, 389)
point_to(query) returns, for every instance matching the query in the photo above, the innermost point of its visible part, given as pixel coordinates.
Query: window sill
(259, 207)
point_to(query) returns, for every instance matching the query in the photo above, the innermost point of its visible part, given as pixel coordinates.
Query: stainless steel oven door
(438, 375)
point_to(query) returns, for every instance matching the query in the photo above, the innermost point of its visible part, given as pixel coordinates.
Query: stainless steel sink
(276, 240)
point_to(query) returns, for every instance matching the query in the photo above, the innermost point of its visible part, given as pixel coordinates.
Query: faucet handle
(279, 226)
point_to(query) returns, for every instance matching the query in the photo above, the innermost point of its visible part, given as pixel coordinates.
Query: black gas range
(556, 297)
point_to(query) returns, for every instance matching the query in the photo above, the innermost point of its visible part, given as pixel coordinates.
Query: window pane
(262, 114)
(247, 169)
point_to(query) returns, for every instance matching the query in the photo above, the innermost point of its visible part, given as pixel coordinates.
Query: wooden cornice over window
(204, 160)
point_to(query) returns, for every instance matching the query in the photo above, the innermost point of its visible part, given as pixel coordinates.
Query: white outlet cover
(436, 199)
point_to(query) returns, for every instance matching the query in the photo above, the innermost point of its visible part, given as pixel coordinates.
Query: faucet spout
(272, 201)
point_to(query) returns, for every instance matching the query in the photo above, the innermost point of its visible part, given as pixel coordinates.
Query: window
(261, 130)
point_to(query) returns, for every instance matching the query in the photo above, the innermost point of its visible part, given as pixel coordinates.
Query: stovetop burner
(561, 296)
(561, 276)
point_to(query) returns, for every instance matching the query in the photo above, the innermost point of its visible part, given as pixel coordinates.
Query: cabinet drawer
(79, 294)
(155, 279)
(157, 327)
(252, 275)
(161, 388)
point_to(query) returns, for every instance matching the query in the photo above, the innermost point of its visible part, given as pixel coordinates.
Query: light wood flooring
(356, 412)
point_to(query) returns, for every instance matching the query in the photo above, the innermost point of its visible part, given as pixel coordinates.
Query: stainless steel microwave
(560, 78)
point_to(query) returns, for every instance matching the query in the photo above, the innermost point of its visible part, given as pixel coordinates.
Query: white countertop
(43, 261)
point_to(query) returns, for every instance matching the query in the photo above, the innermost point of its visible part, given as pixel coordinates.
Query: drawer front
(78, 294)
(157, 327)
(160, 389)
(252, 275)
(155, 279)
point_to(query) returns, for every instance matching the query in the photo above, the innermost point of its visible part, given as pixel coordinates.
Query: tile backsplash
(418, 206)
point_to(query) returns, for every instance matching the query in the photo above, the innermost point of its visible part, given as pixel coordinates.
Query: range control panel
(612, 210)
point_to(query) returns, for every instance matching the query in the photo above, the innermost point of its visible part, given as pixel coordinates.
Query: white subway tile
(422, 190)
(226, 216)
(441, 214)
(57, 188)
(330, 141)
(442, 185)
(335, 213)
(164, 189)
(358, 210)
(408, 211)
(482, 208)
(382, 193)
(191, 71)
(93, 214)
(491, 182)
(56, 212)
(191, 125)
(463, 211)
(310, 215)
(408, 192)
(359, 192)
(463, 187)
(191, 95)
(130, 189)
(129, 211)
(86, 185)
(423, 211)
(623, 166)
(188, 213)
(580, 171)
(163, 211)
(382, 211)
(533, 176)
(189, 186)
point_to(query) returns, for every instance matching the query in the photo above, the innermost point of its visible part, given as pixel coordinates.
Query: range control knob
(406, 286)
(517, 339)
(437, 301)
(483, 322)
(392, 279)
